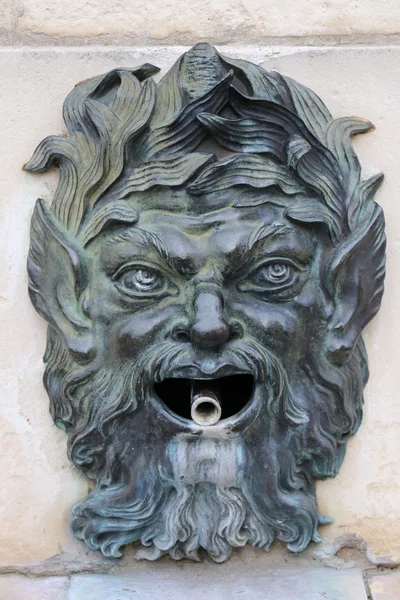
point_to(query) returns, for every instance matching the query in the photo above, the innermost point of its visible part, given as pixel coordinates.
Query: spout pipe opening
(206, 408)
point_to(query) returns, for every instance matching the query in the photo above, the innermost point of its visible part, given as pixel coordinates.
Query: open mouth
(206, 401)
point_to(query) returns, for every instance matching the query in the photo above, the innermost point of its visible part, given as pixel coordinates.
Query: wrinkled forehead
(225, 224)
(222, 229)
(182, 202)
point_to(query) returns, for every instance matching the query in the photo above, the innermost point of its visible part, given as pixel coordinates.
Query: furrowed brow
(144, 238)
(271, 230)
(153, 242)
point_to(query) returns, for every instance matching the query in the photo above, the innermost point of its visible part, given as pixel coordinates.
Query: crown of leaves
(127, 134)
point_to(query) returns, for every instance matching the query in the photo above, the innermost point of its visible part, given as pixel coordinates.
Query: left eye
(142, 280)
(275, 273)
(275, 277)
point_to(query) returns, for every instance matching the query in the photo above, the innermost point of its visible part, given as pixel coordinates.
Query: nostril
(180, 334)
(182, 337)
(236, 331)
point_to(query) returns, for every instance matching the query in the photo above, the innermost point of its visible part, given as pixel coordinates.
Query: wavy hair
(127, 134)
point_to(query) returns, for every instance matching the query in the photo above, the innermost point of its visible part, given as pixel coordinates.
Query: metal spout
(205, 407)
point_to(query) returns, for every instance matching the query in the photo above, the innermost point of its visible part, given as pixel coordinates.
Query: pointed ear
(355, 281)
(57, 279)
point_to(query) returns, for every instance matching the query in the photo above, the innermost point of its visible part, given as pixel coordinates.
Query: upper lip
(194, 371)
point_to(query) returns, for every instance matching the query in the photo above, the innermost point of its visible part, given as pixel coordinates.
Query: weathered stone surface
(18, 587)
(310, 585)
(8, 15)
(385, 587)
(226, 21)
(39, 486)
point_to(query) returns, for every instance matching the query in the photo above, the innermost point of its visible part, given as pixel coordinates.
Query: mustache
(125, 392)
(246, 356)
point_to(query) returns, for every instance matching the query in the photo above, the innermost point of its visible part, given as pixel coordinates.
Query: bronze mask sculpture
(206, 268)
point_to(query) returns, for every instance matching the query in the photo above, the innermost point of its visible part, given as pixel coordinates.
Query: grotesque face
(204, 348)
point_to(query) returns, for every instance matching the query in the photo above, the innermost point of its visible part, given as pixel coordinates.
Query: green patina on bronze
(206, 267)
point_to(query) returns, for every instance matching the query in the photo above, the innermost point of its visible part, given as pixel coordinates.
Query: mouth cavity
(206, 401)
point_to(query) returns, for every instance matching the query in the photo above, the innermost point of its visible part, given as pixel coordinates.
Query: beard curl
(335, 400)
(276, 499)
(177, 519)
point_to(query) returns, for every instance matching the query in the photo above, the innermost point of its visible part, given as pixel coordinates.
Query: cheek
(264, 320)
(139, 331)
(286, 327)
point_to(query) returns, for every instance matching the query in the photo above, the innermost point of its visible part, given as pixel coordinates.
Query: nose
(207, 327)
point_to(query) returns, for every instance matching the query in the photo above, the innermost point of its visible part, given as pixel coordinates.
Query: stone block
(385, 587)
(221, 22)
(8, 15)
(322, 584)
(19, 587)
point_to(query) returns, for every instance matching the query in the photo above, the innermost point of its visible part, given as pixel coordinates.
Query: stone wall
(345, 51)
(187, 22)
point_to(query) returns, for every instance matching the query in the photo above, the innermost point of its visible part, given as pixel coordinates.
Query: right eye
(142, 281)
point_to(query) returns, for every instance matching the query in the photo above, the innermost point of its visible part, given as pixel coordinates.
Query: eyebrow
(277, 228)
(261, 233)
(153, 242)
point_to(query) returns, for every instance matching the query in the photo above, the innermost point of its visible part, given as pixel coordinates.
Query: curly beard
(176, 493)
